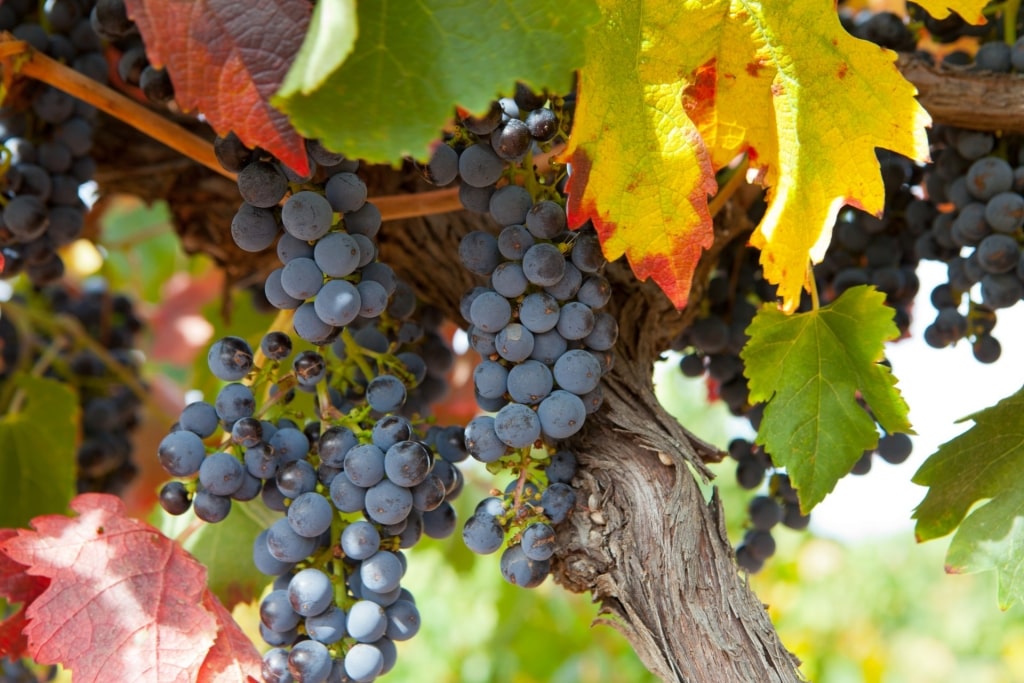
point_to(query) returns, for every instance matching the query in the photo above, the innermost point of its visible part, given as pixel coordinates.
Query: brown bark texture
(643, 540)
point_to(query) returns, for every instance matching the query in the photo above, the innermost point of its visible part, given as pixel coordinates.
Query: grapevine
(570, 244)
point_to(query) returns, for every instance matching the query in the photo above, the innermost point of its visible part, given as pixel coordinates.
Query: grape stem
(56, 324)
(33, 64)
(45, 360)
(812, 286)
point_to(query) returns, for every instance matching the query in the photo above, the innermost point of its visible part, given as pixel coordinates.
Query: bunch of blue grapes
(47, 140)
(324, 425)
(973, 217)
(109, 407)
(536, 320)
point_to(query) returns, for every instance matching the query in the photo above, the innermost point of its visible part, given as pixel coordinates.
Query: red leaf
(233, 658)
(125, 602)
(226, 59)
(16, 586)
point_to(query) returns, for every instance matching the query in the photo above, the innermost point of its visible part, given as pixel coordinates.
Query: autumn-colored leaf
(233, 657)
(810, 368)
(640, 172)
(124, 603)
(16, 586)
(224, 68)
(673, 91)
(968, 9)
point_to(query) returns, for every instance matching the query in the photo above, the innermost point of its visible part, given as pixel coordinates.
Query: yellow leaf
(640, 171)
(672, 91)
(834, 100)
(968, 9)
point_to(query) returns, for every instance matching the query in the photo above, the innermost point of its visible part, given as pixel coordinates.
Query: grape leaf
(985, 462)
(782, 82)
(124, 603)
(414, 61)
(640, 172)
(992, 537)
(233, 657)
(331, 37)
(37, 443)
(226, 59)
(16, 586)
(809, 367)
(968, 9)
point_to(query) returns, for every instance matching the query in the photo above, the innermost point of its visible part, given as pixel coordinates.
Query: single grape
(221, 473)
(539, 541)
(530, 382)
(479, 253)
(479, 166)
(543, 264)
(520, 570)
(276, 612)
(230, 359)
(388, 503)
(443, 166)
(403, 620)
(301, 278)
(307, 215)
(407, 463)
(254, 229)
(211, 507)
(345, 192)
(385, 393)
(181, 453)
(381, 572)
(174, 498)
(561, 414)
(262, 184)
(310, 514)
(482, 441)
(517, 425)
(360, 540)
(366, 621)
(337, 254)
(482, 533)
(363, 662)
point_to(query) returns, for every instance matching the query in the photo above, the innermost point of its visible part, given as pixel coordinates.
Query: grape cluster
(47, 139)
(975, 224)
(109, 407)
(866, 250)
(538, 326)
(355, 487)
(363, 479)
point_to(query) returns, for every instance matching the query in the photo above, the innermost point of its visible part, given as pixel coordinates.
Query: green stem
(1010, 21)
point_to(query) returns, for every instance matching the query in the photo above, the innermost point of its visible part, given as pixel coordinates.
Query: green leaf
(37, 451)
(986, 461)
(992, 537)
(143, 252)
(414, 61)
(809, 367)
(330, 39)
(225, 548)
